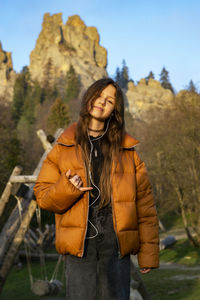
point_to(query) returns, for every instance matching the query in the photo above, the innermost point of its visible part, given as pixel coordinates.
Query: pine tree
(28, 109)
(47, 81)
(61, 84)
(124, 75)
(12, 153)
(151, 75)
(21, 88)
(37, 92)
(33, 97)
(72, 85)
(117, 76)
(191, 87)
(59, 116)
(9, 143)
(164, 80)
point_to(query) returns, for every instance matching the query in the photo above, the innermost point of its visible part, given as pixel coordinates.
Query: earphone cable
(90, 159)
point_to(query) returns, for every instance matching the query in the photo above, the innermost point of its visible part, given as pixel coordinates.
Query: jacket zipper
(87, 214)
(115, 229)
(115, 222)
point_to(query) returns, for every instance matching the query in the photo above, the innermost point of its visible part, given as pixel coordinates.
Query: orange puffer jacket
(134, 213)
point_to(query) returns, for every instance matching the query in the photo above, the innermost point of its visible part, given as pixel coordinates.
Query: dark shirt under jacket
(97, 165)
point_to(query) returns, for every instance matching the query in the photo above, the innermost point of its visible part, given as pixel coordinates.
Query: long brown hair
(112, 140)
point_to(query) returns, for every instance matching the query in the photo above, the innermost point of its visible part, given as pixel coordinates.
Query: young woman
(98, 187)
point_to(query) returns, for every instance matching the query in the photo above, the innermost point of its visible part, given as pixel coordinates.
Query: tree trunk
(183, 214)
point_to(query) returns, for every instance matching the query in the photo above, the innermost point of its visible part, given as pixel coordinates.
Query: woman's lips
(98, 108)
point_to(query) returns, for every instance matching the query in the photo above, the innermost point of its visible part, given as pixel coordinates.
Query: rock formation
(7, 74)
(143, 97)
(61, 45)
(64, 44)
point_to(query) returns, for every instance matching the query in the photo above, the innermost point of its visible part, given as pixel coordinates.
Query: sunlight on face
(104, 105)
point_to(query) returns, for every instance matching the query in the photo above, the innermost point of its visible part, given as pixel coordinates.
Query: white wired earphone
(90, 159)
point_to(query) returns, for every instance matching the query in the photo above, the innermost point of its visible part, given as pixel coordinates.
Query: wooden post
(161, 226)
(10, 228)
(42, 136)
(7, 191)
(13, 224)
(10, 257)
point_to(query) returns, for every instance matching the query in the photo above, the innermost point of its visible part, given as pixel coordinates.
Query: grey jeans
(100, 274)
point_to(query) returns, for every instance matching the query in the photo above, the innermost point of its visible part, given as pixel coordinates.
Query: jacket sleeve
(53, 191)
(148, 255)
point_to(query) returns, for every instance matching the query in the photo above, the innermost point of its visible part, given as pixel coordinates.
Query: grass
(162, 286)
(171, 221)
(160, 283)
(17, 286)
(182, 253)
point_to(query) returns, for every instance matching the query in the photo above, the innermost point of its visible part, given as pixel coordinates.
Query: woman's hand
(76, 181)
(145, 270)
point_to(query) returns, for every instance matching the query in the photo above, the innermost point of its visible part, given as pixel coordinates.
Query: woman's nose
(102, 101)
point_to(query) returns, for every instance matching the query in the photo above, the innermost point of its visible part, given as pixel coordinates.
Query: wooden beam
(23, 179)
(8, 189)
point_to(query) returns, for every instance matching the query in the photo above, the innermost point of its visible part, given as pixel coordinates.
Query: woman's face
(104, 105)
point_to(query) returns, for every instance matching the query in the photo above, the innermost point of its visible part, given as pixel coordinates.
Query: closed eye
(110, 101)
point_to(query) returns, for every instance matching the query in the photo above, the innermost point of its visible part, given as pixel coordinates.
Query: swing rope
(26, 247)
(55, 273)
(42, 256)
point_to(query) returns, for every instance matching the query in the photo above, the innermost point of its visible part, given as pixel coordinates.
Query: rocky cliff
(61, 45)
(68, 44)
(143, 97)
(7, 74)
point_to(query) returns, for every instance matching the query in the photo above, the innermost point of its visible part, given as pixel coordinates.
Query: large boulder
(144, 96)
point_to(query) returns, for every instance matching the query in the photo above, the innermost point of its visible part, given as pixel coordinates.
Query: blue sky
(147, 34)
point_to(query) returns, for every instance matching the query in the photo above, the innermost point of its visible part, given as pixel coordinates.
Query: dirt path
(52, 298)
(178, 233)
(168, 265)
